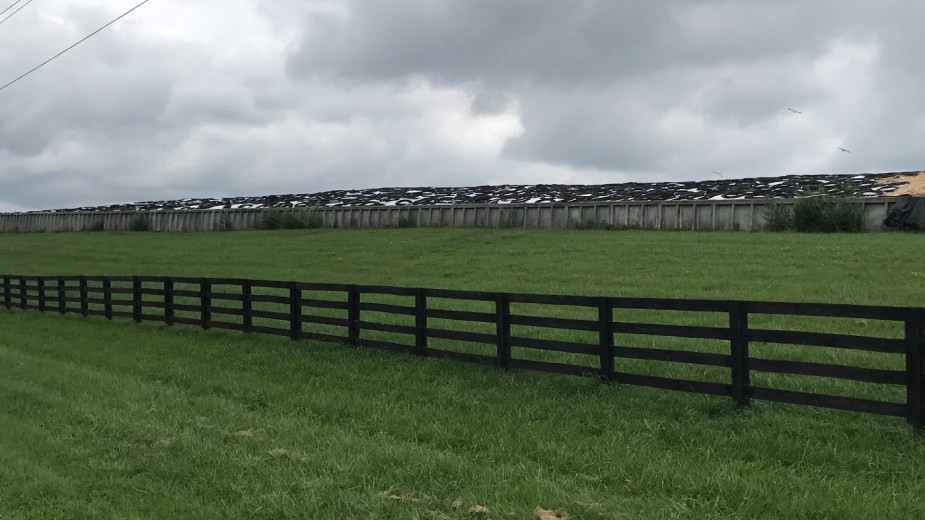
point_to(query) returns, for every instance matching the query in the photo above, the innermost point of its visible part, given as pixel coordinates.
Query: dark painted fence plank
(269, 298)
(232, 297)
(684, 385)
(325, 320)
(136, 299)
(383, 289)
(168, 302)
(864, 375)
(554, 299)
(107, 297)
(295, 312)
(914, 344)
(674, 356)
(503, 331)
(387, 308)
(462, 335)
(7, 292)
(323, 304)
(247, 306)
(669, 304)
(205, 302)
(420, 322)
(84, 304)
(555, 323)
(738, 346)
(453, 294)
(388, 327)
(828, 401)
(41, 293)
(824, 339)
(675, 331)
(830, 310)
(270, 315)
(353, 315)
(605, 337)
(570, 347)
(36, 296)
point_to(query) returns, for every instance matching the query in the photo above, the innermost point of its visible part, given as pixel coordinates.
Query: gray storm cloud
(221, 98)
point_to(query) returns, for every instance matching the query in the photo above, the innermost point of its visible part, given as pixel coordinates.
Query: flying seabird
(846, 151)
(794, 111)
(718, 173)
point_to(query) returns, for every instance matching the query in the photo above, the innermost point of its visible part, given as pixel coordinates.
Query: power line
(85, 38)
(16, 11)
(10, 7)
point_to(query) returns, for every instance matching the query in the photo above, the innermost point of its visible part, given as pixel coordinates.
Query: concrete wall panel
(744, 215)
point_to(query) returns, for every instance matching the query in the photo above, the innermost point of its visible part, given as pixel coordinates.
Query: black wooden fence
(239, 304)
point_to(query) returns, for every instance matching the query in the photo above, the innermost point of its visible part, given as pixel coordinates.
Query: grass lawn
(881, 268)
(117, 420)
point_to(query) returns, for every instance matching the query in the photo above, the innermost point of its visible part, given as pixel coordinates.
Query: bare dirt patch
(547, 514)
(474, 510)
(913, 184)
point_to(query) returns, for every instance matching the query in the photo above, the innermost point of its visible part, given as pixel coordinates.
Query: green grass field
(118, 420)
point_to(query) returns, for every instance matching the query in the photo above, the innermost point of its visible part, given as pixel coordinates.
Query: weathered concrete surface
(743, 215)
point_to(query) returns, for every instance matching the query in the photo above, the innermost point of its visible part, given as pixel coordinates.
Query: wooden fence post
(247, 306)
(605, 337)
(107, 297)
(420, 321)
(136, 299)
(62, 293)
(295, 312)
(738, 341)
(915, 343)
(353, 315)
(42, 302)
(84, 304)
(7, 292)
(23, 295)
(205, 303)
(503, 330)
(168, 301)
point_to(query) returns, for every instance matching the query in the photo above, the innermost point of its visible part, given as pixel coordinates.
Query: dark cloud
(627, 86)
(490, 102)
(234, 97)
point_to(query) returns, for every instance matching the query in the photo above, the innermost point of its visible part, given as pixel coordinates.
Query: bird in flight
(846, 151)
(794, 111)
(719, 174)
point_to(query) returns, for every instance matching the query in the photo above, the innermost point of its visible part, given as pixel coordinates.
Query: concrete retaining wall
(725, 215)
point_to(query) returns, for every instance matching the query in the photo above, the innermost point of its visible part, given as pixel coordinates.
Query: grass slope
(115, 420)
(882, 268)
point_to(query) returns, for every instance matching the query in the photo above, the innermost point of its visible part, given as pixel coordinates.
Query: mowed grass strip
(118, 420)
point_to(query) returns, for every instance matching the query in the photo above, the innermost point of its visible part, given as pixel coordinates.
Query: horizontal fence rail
(591, 335)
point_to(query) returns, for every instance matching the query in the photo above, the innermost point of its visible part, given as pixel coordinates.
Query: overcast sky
(246, 97)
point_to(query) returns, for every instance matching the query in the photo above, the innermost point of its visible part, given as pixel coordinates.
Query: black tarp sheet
(908, 213)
